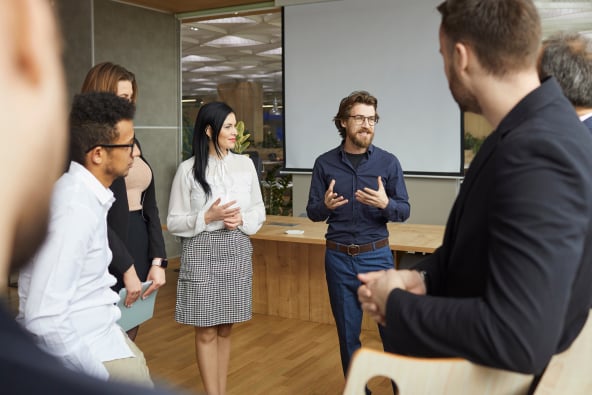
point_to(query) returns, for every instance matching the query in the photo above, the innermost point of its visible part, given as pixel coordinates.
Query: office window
(238, 59)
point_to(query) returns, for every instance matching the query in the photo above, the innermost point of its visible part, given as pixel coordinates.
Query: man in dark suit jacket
(510, 285)
(568, 58)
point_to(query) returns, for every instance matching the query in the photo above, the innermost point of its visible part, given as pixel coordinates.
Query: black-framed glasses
(130, 146)
(359, 119)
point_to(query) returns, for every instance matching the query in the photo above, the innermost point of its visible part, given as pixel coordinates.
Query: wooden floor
(270, 355)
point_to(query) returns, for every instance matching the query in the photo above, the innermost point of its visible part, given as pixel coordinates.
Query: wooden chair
(569, 372)
(417, 376)
(254, 155)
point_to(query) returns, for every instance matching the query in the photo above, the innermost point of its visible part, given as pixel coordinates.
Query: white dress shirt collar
(105, 195)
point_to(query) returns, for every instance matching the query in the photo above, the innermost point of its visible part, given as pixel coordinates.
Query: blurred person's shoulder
(26, 369)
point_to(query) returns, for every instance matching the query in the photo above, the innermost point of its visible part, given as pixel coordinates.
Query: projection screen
(387, 47)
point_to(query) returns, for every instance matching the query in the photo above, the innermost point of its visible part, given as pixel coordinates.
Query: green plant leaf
(242, 138)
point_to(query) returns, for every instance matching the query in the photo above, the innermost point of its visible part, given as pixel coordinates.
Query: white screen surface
(387, 47)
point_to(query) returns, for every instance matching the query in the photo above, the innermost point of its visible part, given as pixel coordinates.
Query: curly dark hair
(93, 121)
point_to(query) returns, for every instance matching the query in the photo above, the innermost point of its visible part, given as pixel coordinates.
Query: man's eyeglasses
(359, 119)
(130, 146)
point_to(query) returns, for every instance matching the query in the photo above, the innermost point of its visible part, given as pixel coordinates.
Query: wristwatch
(162, 262)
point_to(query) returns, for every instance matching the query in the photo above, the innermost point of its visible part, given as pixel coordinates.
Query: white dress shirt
(231, 178)
(65, 298)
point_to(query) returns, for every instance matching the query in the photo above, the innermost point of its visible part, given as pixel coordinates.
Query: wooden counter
(289, 270)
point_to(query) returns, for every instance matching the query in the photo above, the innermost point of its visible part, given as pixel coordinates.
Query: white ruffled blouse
(231, 178)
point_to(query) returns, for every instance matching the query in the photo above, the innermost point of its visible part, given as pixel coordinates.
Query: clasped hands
(228, 213)
(368, 196)
(376, 287)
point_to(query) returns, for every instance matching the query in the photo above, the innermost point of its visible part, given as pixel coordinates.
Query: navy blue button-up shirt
(355, 222)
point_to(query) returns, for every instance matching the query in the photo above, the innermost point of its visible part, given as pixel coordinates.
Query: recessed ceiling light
(275, 51)
(232, 41)
(234, 19)
(212, 68)
(197, 58)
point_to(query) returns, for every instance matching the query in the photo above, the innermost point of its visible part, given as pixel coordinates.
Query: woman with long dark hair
(215, 204)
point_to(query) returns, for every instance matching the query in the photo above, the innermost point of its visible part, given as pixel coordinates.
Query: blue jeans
(341, 270)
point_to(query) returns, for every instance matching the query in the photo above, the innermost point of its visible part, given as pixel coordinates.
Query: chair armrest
(569, 372)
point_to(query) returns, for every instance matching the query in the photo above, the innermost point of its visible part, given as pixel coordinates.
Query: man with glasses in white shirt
(65, 295)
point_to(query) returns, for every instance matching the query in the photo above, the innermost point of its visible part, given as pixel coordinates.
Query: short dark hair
(505, 34)
(568, 58)
(93, 120)
(356, 97)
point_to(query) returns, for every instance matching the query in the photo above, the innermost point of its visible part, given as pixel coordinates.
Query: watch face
(164, 263)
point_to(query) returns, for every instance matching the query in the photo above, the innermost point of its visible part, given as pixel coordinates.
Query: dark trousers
(341, 270)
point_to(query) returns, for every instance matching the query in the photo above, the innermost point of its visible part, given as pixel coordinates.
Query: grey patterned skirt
(215, 279)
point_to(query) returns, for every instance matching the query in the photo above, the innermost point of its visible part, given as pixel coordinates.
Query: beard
(464, 98)
(361, 141)
(114, 172)
(31, 230)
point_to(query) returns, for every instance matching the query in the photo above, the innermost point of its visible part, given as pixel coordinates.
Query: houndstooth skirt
(215, 279)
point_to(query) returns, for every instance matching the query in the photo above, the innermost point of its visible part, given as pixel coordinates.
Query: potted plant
(242, 138)
(277, 194)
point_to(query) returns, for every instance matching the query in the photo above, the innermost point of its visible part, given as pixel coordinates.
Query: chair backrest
(569, 372)
(417, 376)
(254, 155)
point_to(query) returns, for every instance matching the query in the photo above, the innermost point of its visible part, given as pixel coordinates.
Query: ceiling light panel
(198, 58)
(275, 51)
(232, 41)
(230, 20)
(207, 69)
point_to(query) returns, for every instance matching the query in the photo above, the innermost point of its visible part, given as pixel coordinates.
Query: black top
(26, 369)
(118, 221)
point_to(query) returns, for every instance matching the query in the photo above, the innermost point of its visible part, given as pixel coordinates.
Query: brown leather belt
(355, 249)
